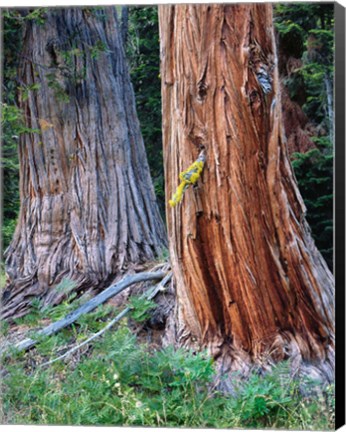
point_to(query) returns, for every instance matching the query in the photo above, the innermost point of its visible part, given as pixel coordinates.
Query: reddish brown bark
(88, 209)
(250, 281)
(298, 129)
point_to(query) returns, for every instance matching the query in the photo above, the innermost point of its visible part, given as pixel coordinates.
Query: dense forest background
(306, 47)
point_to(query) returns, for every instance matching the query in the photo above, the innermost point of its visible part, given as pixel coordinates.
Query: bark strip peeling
(249, 277)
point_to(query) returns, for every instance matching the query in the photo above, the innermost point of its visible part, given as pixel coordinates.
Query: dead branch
(149, 295)
(90, 305)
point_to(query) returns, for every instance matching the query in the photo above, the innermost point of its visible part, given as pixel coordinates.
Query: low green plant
(4, 328)
(2, 275)
(34, 317)
(123, 382)
(140, 308)
(163, 256)
(277, 400)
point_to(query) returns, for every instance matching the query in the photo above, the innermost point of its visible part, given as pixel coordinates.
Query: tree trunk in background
(330, 108)
(88, 210)
(250, 282)
(124, 23)
(298, 129)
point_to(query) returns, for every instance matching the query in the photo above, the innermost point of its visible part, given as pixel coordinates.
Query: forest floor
(129, 377)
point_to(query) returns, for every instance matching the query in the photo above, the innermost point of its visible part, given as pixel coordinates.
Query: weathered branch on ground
(94, 336)
(90, 305)
(149, 295)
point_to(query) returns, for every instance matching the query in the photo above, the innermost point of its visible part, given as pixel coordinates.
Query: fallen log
(149, 295)
(90, 305)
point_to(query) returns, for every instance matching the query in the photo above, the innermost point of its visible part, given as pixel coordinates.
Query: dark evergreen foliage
(12, 125)
(12, 119)
(314, 172)
(143, 53)
(306, 32)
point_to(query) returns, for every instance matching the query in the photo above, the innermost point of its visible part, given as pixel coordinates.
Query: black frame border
(339, 207)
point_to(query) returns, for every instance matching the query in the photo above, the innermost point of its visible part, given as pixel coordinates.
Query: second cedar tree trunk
(250, 282)
(88, 210)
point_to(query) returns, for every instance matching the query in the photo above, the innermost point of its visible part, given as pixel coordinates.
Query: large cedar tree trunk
(88, 210)
(250, 282)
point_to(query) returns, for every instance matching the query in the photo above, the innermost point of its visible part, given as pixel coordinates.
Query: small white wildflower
(117, 384)
(138, 404)
(115, 376)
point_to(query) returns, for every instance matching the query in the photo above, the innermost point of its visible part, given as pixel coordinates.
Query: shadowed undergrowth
(122, 381)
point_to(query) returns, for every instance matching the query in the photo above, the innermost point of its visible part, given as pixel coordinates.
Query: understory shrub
(120, 381)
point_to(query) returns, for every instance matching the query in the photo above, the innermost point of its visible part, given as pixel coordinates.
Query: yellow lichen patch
(192, 174)
(187, 177)
(44, 124)
(178, 194)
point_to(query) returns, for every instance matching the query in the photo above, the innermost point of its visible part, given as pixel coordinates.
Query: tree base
(310, 360)
(18, 295)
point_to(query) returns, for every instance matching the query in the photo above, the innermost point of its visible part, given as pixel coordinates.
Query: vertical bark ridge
(88, 208)
(246, 268)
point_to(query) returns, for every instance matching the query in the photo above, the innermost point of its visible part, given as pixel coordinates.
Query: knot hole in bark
(198, 141)
(52, 47)
(202, 88)
(254, 97)
(261, 160)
